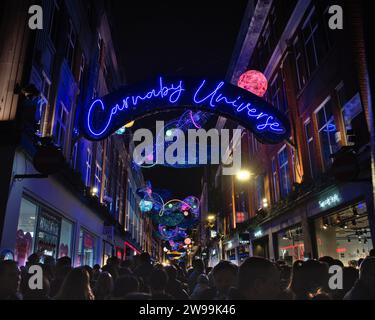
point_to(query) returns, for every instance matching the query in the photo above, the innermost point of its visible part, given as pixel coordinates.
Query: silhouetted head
(350, 276)
(309, 278)
(9, 278)
(125, 285)
(103, 286)
(198, 265)
(171, 272)
(96, 267)
(328, 260)
(158, 280)
(76, 286)
(144, 258)
(258, 279)
(34, 258)
(64, 261)
(367, 271)
(225, 276)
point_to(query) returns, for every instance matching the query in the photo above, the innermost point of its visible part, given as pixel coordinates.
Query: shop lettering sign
(103, 116)
(108, 232)
(258, 234)
(330, 201)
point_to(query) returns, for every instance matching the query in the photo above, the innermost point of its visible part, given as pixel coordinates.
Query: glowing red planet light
(253, 81)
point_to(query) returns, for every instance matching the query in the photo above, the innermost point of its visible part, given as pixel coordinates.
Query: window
(274, 180)
(26, 230)
(81, 68)
(40, 230)
(74, 156)
(128, 208)
(310, 147)
(353, 117)
(277, 92)
(43, 102)
(100, 48)
(55, 22)
(344, 234)
(61, 125)
(311, 46)
(88, 167)
(86, 248)
(260, 191)
(327, 132)
(290, 244)
(309, 33)
(300, 63)
(255, 144)
(284, 178)
(98, 177)
(66, 235)
(70, 46)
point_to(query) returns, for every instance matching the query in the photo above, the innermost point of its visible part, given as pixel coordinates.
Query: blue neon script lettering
(172, 92)
(214, 97)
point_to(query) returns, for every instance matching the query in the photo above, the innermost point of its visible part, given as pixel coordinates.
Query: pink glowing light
(193, 121)
(253, 81)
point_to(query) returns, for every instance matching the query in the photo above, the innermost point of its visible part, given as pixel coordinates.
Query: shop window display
(66, 234)
(87, 248)
(243, 252)
(231, 254)
(41, 231)
(344, 235)
(25, 231)
(47, 236)
(291, 245)
(107, 251)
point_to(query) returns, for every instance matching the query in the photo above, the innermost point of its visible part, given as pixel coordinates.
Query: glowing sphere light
(253, 81)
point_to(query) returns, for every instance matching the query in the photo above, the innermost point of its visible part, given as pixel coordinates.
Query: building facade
(87, 210)
(312, 195)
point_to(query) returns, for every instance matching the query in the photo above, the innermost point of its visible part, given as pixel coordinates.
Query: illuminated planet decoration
(187, 241)
(145, 205)
(253, 81)
(129, 124)
(167, 232)
(168, 218)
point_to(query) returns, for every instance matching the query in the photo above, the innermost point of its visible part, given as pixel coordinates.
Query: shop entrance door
(260, 247)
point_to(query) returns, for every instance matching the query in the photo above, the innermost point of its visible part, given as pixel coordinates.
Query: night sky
(175, 38)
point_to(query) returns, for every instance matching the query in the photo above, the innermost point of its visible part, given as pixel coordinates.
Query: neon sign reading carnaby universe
(105, 115)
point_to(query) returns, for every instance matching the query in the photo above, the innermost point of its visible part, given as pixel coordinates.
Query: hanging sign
(103, 116)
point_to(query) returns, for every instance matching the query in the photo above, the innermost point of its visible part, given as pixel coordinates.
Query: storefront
(41, 230)
(343, 234)
(290, 244)
(108, 251)
(260, 247)
(243, 247)
(87, 248)
(130, 250)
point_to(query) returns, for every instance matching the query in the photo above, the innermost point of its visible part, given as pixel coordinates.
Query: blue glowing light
(145, 205)
(105, 115)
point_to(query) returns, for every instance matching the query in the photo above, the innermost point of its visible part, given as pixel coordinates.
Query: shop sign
(213, 233)
(244, 238)
(105, 115)
(258, 233)
(108, 232)
(330, 201)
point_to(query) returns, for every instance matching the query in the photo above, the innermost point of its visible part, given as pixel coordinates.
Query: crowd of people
(256, 278)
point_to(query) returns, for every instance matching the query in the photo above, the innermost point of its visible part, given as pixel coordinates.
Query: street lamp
(243, 175)
(211, 217)
(94, 191)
